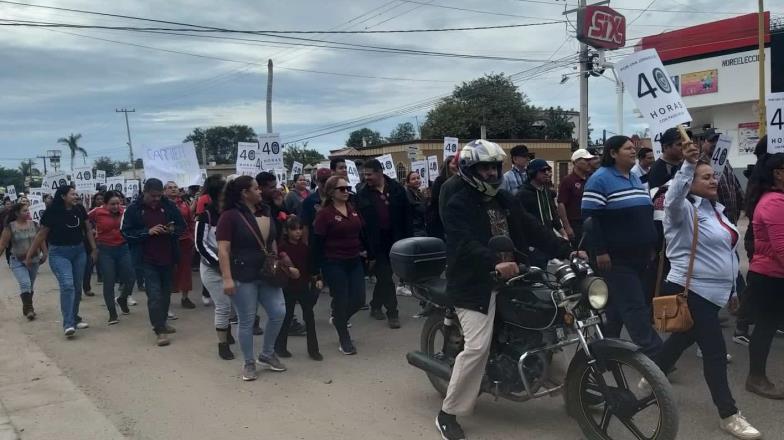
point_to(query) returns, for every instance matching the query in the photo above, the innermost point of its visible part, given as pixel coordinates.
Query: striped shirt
(622, 209)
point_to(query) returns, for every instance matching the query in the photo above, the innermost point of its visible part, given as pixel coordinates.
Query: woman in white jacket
(693, 191)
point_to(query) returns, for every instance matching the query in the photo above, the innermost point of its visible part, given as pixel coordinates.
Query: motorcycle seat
(434, 290)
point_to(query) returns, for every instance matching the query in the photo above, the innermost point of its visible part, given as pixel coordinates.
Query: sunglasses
(343, 188)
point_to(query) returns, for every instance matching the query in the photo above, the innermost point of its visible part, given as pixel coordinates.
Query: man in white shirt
(516, 177)
(645, 160)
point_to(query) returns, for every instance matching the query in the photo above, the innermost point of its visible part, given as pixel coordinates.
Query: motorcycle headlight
(596, 291)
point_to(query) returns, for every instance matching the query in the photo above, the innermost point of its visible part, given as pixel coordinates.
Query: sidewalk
(37, 400)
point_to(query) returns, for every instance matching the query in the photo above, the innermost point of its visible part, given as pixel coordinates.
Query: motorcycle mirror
(501, 243)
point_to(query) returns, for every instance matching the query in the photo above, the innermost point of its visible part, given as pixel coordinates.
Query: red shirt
(107, 226)
(157, 249)
(202, 202)
(190, 223)
(768, 227)
(570, 193)
(298, 253)
(341, 232)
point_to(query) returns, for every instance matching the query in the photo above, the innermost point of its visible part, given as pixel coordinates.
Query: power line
(675, 11)
(475, 11)
(28, 23)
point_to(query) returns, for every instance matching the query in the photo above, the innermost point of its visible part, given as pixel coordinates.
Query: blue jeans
(24, 276)
(346, 281)
(628, 307)
(67, 263)
(158, 280)
(246, 298)
(114, 264)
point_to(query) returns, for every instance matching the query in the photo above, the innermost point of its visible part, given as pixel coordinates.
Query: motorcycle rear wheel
(627, 404)
(432, 346)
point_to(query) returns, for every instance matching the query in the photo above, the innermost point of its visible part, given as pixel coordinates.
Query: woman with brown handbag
(704, 269)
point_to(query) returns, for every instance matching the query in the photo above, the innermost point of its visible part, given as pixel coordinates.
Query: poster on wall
(700, 83)
(748, 136)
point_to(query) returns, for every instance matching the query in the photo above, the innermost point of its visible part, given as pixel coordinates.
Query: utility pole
(128, 129)
(583, 135)
(269, 96)
(44, 158)
(763, 123)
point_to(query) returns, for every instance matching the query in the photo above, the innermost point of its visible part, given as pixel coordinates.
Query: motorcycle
(610, 388)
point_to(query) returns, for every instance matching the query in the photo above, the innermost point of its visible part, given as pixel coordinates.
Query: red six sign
(601, 27)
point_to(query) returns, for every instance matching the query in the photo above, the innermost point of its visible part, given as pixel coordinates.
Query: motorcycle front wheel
(441, 342)
(611, 401)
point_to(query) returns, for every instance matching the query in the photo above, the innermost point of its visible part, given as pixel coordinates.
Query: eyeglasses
(343, 188)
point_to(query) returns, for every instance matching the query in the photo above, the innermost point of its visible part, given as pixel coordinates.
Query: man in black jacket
(384, 207)
(539, 200)
(152, 226)
(475, 212)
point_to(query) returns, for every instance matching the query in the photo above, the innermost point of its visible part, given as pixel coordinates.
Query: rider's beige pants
(470, 363)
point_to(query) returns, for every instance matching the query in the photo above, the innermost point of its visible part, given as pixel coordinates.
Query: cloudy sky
(59, 81)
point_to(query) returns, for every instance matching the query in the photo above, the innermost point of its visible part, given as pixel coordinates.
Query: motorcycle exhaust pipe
(429, 364)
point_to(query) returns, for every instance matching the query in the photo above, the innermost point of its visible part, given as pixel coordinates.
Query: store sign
(748, 136)
(601, 27)
(700, 83)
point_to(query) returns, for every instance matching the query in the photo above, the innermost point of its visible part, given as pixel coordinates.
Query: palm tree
(72, 142)
(26, 168)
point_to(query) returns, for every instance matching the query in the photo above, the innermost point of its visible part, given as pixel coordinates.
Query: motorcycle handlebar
(521, 268)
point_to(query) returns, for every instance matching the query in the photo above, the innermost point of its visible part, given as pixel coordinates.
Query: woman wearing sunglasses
(337, 250)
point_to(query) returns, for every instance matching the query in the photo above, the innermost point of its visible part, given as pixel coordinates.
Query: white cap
(582, 153)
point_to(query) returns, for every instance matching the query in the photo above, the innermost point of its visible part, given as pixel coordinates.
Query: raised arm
(676, 206)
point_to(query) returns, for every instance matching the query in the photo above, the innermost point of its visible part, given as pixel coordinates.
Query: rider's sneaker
(740, 428)
(448, 427)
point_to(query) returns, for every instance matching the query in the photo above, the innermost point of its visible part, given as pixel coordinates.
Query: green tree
(105, 163)
(10, 177)
(404, 132)
(220, 142)
(28, 169)
(371, 137)
(72, 142)
(302, 154)
(493, 101)
(557, 124)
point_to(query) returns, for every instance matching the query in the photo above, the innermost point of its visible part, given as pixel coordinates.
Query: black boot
(229, 337)
(256, 329)
(27, 305)
(223, 347)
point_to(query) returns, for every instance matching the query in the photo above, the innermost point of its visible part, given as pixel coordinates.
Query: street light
(54, 158)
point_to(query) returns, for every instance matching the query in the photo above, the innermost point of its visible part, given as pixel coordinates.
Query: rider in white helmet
(474, 209)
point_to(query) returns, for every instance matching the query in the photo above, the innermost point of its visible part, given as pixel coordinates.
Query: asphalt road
(185, 391)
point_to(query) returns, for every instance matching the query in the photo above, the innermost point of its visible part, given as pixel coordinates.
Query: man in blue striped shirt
(620, 237)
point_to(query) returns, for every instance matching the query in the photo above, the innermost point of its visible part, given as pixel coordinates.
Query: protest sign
(353, 173)
(53, 181)
(84, 179)
(175, 163)
(248, 160)
(10, 191)
(131, 188)
(656, 134)
(37, 211)
(33, 198)
(412, 152)
(296, 168)
(775, 117)
(720, 152)
(280, 176)
(644, 77)
(420, 166)
(37, 192)
(388, 165)
(115, 184)
(271, 151)
(432, 168)
(100, 176)
(450, 146)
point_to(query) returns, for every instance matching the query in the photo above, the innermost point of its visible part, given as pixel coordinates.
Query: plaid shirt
(730, 194)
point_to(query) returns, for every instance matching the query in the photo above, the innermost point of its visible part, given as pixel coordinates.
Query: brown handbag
(274, 270)
(671, 312)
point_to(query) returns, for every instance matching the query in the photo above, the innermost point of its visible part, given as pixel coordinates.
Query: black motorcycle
(611, 388)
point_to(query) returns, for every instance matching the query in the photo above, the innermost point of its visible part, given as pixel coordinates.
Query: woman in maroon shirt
(337, 251)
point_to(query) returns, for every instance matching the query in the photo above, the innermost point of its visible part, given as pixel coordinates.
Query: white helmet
(481, 151)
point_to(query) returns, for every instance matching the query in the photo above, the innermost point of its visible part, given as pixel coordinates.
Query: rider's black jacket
(469, 260)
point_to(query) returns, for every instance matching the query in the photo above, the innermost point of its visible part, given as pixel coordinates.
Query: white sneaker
(131, 301)
(82, 325)
(737, 426)
(699, 355)
(206, 301)
(171, 316)
(332, 322)
(69, 332)
(403, 291)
